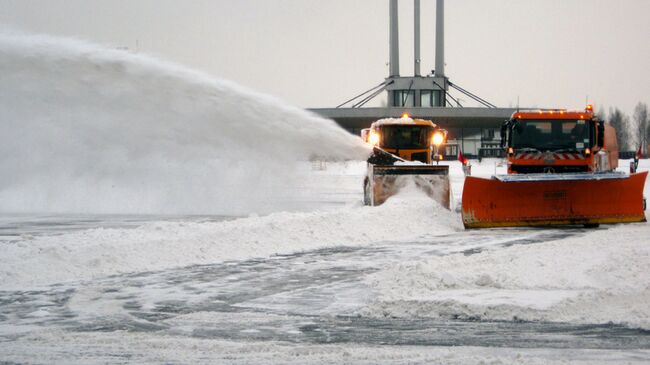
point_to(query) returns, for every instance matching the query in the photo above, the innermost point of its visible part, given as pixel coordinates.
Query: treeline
(631, 132)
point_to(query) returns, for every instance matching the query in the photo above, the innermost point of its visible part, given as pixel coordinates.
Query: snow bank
(599, 276)
(85, 129)
(160, 245)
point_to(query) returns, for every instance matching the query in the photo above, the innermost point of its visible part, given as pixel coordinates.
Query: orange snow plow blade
(559, 199)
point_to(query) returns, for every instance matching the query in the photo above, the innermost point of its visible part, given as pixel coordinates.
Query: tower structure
(416, 90)
(474, 130)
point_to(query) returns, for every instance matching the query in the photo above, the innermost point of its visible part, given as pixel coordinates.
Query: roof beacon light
(589, 108)
(405, 115)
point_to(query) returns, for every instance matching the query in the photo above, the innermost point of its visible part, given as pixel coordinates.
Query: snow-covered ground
(41, 260)
(599, 276)
(588, 277)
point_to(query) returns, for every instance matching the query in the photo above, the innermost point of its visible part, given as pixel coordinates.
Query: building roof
(445, 117)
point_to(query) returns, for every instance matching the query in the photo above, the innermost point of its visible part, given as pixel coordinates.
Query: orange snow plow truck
(404, 151)
(561, 171)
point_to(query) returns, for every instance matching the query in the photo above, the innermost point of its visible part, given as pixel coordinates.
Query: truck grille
(420, 156)
(542, 169)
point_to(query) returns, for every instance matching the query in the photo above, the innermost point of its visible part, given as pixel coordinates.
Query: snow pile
(161, 245)
(597, 277)
(86, 129)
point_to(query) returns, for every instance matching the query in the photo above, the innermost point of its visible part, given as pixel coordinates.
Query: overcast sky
(318, 53)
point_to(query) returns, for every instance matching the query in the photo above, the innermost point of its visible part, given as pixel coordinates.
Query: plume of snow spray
(89, 129)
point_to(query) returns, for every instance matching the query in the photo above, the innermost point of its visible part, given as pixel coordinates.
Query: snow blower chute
(560, 171)
(404, 152)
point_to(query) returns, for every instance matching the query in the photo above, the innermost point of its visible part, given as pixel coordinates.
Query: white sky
(316, 53)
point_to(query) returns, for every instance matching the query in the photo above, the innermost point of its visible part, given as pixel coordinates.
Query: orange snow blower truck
(405, 150)
(561, 171)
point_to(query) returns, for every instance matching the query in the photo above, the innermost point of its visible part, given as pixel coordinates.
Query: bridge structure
(473, 130)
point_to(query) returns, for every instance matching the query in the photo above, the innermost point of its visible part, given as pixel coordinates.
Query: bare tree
(621, 123)
(599, 112)
(641, 121)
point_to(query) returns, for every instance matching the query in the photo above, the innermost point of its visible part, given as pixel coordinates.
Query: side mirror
(364, 134)
(601, 134)
(505, 128)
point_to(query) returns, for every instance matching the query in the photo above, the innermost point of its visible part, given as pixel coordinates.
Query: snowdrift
(88, 254)
(598, 276)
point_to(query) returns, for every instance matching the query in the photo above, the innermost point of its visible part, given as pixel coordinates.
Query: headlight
(438, 138)
(373, 138)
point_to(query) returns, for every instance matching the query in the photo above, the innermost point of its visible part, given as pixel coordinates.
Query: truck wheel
(366, 192)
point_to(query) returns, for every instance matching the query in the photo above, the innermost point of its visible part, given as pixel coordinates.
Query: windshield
(400, 136)
(551, 134)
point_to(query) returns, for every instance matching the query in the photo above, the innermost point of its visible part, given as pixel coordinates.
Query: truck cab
(407, 138)
(558, 141)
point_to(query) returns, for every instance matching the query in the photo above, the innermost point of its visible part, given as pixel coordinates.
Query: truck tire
(366, 192)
